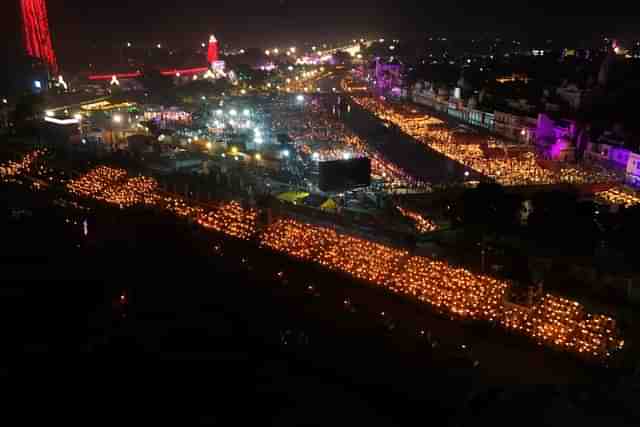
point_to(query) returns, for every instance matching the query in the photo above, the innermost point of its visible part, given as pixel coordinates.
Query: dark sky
(77, 24)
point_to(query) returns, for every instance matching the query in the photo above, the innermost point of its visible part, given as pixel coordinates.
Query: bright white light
(246, 112)
(300, 98)
(178, 74)
(117, 118)
(290, 68)
(203, 45)
(159, 46)
(243, 92)
(258, 156)
(49, 113)
(4, 100)
(315, 156)
(286, 153)
(241, 51)
(292, 49)
(346, 155)
(209, 146)
(267, 52)
(381, 40)
(61, 122)
(232, 122)
(204, 98)
(392, 47)
(78, 117)
(233, 112)
(219, 112)
(258, 139)
(268, 84)
(276, 51)
(37, 84)
(313, 48)
(466, 173)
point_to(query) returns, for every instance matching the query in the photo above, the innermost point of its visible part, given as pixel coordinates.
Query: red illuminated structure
(212, 58)
(212, 53)
(37, 37)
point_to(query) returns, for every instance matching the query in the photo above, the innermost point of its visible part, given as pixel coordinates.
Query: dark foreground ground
(148, 321)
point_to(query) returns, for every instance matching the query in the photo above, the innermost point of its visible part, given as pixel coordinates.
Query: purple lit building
(556, 139)
(388, 77)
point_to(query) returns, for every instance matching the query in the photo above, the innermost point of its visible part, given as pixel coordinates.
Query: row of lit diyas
(564, 324)
(520, 170)
(12, 169)
(619, 196)
(422, 224)
(231, 219)
(94, 183)
(457, 292)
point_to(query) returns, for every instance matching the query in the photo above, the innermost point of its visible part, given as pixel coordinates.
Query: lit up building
(37, 37)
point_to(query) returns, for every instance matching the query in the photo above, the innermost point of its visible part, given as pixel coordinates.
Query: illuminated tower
(212, 54)
(37, 38)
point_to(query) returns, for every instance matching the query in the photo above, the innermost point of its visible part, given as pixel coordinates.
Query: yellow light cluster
(231, 219)
(564, 324)
(619, 196)
(519, 170)
(317, 124)
(422, 224)
(12, 169)
(457, 292)
(180, 207)
(96, 181)
(135, 191)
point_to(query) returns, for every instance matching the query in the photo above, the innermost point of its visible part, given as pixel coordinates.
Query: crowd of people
(520, 169)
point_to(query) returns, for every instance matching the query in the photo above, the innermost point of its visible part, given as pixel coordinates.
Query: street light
(117, 118)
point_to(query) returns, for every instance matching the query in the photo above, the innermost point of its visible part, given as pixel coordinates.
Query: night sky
(79, 24)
